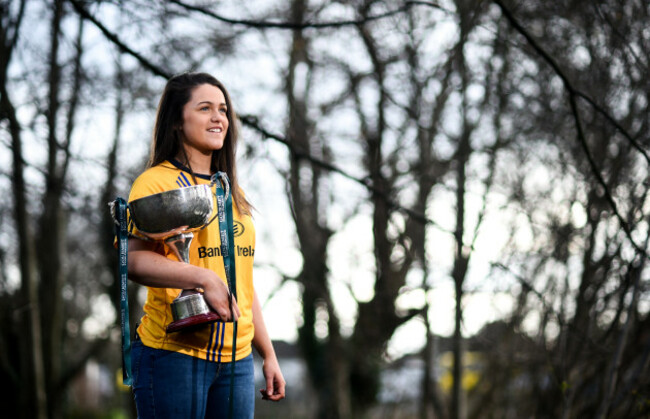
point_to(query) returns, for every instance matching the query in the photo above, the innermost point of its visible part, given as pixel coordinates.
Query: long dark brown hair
(167, 141)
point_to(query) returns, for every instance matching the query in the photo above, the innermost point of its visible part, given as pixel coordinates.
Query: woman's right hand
(147, 266)
(218, 296)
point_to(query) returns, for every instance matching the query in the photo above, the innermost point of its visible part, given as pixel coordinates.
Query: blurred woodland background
(393, 149)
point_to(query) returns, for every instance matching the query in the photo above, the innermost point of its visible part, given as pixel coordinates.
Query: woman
(181, 374)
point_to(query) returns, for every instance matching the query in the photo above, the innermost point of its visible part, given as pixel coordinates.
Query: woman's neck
(198, 162)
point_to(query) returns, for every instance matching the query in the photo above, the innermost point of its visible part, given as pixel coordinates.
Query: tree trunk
(33, 397)
(52, 238)
(31, 394)
(323, 356)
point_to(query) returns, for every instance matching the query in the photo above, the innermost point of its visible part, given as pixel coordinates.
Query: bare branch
(305, 25)
(573, 93)
(121, 45)
(252, 122)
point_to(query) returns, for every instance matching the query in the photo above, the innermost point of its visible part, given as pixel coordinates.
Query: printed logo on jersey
(182, 181)
(213, 252)
(238, 228)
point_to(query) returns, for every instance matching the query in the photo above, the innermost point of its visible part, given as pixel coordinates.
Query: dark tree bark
(52, 234)
(31, 385)
(325, 357)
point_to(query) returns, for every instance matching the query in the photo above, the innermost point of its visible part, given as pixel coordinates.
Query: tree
(445, 117)
(42, 366)
(306, 191)
(30, 373)
(582, 275)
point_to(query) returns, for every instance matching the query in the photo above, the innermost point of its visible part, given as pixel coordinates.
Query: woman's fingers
(224, 311)
(222, 302)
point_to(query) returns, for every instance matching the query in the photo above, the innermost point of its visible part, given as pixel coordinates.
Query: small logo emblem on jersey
(238, 228)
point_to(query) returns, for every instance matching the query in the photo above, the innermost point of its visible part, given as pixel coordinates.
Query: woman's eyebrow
(209, 102)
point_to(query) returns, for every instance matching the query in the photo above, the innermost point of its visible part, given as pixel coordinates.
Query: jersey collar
(180, 166)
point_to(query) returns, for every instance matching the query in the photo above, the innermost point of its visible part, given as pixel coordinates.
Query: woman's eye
(205, 108)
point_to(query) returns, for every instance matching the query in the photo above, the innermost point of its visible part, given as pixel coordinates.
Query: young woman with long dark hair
(185, 374)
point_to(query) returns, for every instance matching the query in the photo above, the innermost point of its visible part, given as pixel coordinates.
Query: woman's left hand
(275, 383)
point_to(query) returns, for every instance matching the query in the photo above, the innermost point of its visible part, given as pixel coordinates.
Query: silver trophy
(172, 217)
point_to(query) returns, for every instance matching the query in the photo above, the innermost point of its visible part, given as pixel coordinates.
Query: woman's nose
(217, 115)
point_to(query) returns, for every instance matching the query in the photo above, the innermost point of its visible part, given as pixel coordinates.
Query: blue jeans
(173, 385)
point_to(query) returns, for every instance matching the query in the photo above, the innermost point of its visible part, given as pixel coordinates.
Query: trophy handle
(140, 236)
(223, 178)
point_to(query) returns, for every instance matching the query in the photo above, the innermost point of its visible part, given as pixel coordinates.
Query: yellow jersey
(211, 342)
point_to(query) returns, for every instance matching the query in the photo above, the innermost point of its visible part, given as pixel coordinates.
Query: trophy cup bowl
(162, 213)
(172, 216)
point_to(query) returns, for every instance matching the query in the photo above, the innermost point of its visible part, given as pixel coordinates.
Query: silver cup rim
(170, 192)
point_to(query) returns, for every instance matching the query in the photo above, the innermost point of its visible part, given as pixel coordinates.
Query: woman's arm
(275, 383)
(150, 268)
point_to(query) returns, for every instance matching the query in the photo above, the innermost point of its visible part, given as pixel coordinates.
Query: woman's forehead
(207, 93)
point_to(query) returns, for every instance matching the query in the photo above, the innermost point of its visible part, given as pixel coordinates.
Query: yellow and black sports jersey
(211, 342)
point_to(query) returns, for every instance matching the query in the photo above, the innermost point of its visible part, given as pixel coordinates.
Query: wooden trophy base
(193, 322)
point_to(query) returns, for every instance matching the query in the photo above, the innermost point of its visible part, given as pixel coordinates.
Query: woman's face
(205, 123)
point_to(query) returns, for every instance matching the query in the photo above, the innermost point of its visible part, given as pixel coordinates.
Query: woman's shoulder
(159, 178)
(163, 169)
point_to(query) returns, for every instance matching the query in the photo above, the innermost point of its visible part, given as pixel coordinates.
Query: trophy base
(189, 310)
(193, 322)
